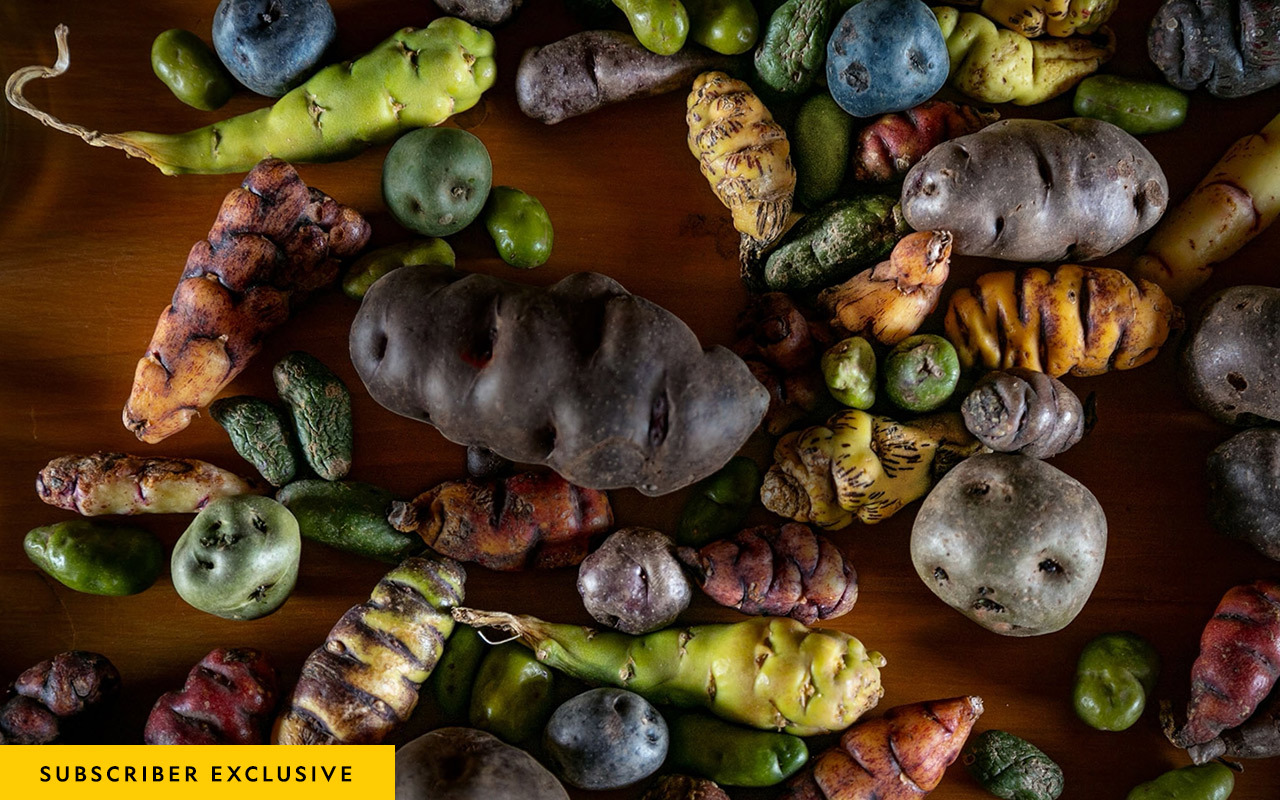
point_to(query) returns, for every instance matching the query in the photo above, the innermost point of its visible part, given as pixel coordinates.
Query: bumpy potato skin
(467, 764)
(602, 386)
(1032, 190)
(1230, 364)
(1227, 46)
(1244, 489)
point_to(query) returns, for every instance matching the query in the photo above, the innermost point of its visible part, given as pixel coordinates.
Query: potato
(1032, 190)
(590, 70)
(1244, 489)
(1230, 364)
(606, 738)
(606, 388)
(484, 13)
(1010, 542)
(634, 582)
(467, 764)
(435, 180)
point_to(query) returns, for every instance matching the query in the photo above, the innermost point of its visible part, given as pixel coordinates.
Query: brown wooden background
(91, 244)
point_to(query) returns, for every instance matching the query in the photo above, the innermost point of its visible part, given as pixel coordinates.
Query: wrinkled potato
(633, 582)
(1244, 489)
(1010, 542)
(467, 764)
(1230, 365)
(1032, 190)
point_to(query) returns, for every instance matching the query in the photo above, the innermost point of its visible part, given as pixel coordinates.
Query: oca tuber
(529, 520)
(891, 300)
(862, 466)
(900, 756)
(1082, 320)
(228, 698)
(788, 571)
(1238, 664)
(274, 241)
(1023, 411)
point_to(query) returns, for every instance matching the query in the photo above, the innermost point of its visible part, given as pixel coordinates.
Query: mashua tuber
(891, 300)
(1023, 411)
(229, 698)
(1238, 664)
(364, 681)
(1082, 320)
(744, 154)
(900, 756)
(1002, 66)
(891, 145)
(779, 571)
(274, 241)
(604, 387)
(115, 483)
(862, 466)
(766, 672)
(528, 520)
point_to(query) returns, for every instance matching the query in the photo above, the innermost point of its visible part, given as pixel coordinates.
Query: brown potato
(467, 764)
(1230, 365)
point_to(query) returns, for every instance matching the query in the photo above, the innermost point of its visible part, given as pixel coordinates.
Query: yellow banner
(189, 772)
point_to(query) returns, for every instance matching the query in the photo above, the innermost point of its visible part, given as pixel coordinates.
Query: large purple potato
(1230, 362)
(1036, 191)
(606, 388)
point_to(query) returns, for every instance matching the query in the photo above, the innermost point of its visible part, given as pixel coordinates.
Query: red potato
(228, 698)
(891, 145)
(1238, 664)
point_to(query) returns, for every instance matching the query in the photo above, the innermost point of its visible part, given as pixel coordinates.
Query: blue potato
(605, 739)
(272, 46)
(886, 56)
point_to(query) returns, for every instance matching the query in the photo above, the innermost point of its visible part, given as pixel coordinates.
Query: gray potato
(1228, 46)
(606, 388)
(1244, 489)
(1011, 542)
(633, 582)
(467, 764)
(590, 70)
(1036, 191)
(1230, 364)
(606, 738)
(485, 13)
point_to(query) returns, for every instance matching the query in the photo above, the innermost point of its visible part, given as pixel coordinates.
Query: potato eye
(939, 574)
(1050, 566)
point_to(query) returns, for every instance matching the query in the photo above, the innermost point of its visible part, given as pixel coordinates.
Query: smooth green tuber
(520, 227)
(718, 505)
(849, 369)
(95, 558)
(1115, 675)
(921, 372)
(376, 263)
(1213, 781)
(191, 70)
(661, 25)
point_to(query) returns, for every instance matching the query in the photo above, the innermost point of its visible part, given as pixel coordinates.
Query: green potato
(450, 683)
(820, 142)
(239, 557)
(661, 25)
(95, 558)
(718, 504)
(191, 70)
(376, 263)
(513, 695)
(1115, 675)
(921, 372)
(1213, 781)
(520, 227)
(730, 27)
(435, 180)
(849, 370)
(1137, 107)
(349, 516)
(732, 755)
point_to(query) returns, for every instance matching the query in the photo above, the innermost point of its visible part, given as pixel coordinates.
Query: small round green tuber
(1115, 675)
(718, 504)
(520, 227)
(921, 372)
(849, 368)
(1213, 781)
(191, 70)
(1012, 768)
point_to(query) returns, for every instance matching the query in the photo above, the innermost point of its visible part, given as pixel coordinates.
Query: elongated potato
(1236, 201)
(1032, 190)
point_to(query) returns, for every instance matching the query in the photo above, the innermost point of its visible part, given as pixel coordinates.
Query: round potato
(634, 582)
(1244, 489)
(467, 764)
(1033, 190)
(435, 180)
(1231, 361)
(1010, 542)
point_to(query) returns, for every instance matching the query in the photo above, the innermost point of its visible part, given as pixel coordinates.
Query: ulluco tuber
(274, 241)
(606, 388)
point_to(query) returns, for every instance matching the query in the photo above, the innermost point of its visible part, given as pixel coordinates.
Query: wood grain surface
(92, 242)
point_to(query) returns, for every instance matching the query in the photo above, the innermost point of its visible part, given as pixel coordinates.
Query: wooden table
(91, 244)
